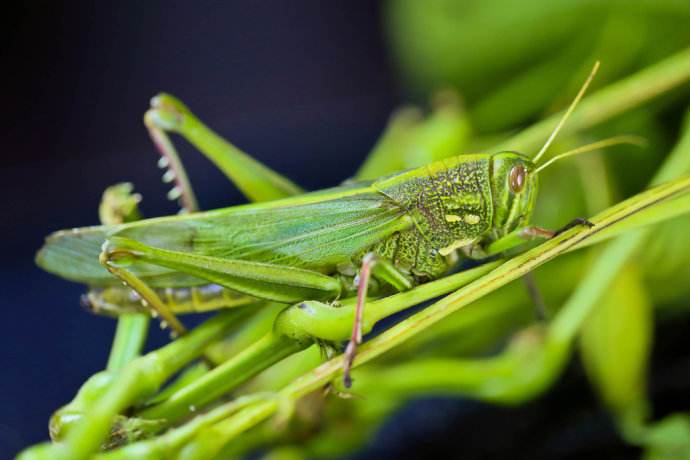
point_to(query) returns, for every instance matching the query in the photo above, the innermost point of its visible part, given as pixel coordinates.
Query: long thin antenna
(611, 141)
(567, 113)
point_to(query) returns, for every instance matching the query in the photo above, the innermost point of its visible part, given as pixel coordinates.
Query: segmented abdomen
(114, 301)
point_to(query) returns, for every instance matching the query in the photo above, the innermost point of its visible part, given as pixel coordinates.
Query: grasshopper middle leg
(384, 270)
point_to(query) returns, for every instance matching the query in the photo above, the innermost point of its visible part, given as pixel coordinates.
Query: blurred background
(306, 88)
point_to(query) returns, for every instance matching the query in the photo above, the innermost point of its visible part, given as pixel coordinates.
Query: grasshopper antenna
(604, 143)
(566, 115)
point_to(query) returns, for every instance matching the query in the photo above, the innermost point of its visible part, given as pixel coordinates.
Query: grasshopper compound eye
(517, 178)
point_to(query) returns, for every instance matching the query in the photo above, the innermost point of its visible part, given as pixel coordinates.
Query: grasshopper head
(514, 189)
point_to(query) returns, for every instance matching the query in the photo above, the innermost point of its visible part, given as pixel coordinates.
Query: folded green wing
(316, 231)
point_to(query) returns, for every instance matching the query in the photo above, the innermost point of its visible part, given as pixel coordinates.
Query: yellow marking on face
(453, 218)
(471, 219)
(455, 245)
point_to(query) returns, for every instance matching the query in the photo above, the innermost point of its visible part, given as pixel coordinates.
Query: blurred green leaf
(615, 344)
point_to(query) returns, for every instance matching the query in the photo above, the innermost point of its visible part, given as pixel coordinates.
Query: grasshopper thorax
(513, 189)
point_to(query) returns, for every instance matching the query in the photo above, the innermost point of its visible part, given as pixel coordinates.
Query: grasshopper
(362, 238)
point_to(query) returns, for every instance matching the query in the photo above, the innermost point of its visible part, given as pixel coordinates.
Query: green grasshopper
(365, 238)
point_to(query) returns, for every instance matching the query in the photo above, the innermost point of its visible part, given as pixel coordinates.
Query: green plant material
(608, 102)
(167, 445)
(410, 141)
(505, 61)
(266, 351)
(130, 336)
(668, 439)
(295, 329)
(615, 345)
(64, 419)
(629, 406)
(537, 361)
(256, 326)
(138, 380)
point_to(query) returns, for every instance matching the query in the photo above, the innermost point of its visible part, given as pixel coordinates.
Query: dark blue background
(304, 86)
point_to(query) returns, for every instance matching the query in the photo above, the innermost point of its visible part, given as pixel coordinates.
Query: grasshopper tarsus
(350, 352)
(574, 223)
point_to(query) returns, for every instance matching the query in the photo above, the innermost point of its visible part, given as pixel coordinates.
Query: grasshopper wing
(316, 231)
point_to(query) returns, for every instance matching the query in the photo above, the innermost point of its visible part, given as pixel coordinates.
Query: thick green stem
(130, 336)
(209, 442)
(309, 320)
(129, 339)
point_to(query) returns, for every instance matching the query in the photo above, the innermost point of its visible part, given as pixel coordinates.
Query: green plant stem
(213, 439)
(222, 379)
(385, 155)
(167, 445)
(311, 320)
(296, 328)
(130, 335)
(209, 442)
(139, 379)
(256, 326)
(609, 102)
(127, 345)
(616, 254)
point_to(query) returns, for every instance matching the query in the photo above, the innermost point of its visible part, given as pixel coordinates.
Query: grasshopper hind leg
(109, 260)
(255, 180)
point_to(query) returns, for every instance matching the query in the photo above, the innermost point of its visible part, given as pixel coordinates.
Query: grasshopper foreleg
(523, 234)
(518, 237)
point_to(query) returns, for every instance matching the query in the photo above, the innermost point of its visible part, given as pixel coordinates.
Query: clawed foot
(573, 223)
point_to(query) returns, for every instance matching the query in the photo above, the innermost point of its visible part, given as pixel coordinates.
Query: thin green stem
(609, 102)
(167, 445)
(260, 355)
(600, 276)
(209, 442)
